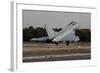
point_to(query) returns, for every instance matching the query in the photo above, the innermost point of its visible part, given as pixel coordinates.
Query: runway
(38, 52)
(57, 57)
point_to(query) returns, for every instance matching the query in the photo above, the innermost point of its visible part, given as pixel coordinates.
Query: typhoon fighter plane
(66, 35)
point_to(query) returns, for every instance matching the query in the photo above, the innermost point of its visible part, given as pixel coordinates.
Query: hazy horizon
(54, 19)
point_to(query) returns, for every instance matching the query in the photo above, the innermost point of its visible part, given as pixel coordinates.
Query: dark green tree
(84, 34)
(31, 32)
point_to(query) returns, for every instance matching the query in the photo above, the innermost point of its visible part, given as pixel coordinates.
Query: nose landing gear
(67, 43)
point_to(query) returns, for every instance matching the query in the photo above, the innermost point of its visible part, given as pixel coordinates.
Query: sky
(55, 19)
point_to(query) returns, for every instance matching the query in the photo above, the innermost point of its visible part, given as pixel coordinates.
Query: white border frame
(16, 51)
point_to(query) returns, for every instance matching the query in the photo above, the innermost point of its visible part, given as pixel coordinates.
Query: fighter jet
(66, 35)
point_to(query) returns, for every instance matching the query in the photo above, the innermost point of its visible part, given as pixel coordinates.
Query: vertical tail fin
(50, 31)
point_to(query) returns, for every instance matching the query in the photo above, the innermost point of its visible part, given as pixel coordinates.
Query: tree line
(84, 35)
(31, 32)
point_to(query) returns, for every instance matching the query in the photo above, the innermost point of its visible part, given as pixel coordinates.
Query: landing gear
(56, 43)
(67, 43)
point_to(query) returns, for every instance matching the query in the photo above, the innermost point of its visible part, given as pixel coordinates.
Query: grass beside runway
(54, 52)
(37, 49)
